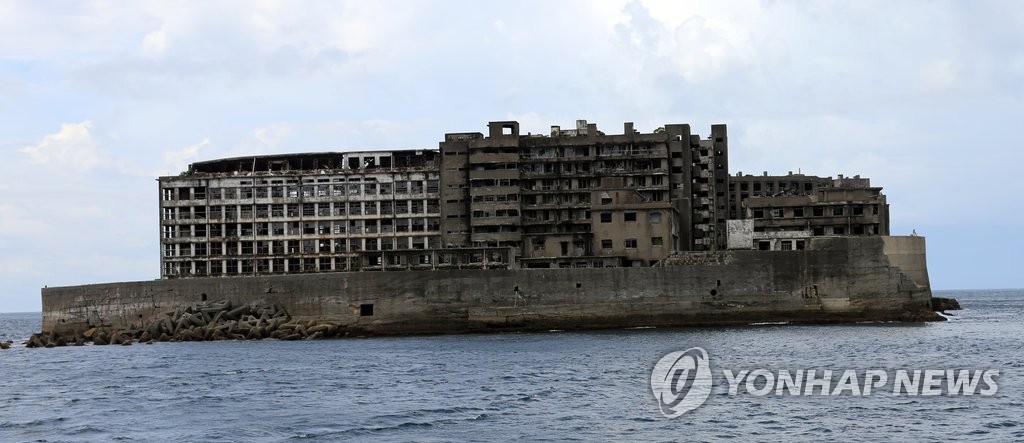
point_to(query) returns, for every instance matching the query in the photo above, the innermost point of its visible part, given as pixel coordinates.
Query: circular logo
(681, 381)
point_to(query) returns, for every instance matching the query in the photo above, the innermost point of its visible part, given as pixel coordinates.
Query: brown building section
(540, 193)
(786, 210)
(572, 198)
(628, 226)
(830, 211)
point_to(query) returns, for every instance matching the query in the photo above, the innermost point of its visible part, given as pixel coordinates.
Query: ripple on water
(550, 386)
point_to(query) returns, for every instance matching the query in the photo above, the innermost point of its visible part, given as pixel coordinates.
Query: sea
(547, 386)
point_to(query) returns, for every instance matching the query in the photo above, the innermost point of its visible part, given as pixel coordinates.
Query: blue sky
(98, 98)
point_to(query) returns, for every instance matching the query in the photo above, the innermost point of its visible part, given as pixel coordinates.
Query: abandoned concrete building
(573, 198)
(781, 212)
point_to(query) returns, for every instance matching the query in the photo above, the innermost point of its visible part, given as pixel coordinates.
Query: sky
(99, 98)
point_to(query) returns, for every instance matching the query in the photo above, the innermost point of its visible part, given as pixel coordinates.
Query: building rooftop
(313, 161)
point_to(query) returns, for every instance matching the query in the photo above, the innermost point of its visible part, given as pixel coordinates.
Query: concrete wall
(908, 254)
(837, 279)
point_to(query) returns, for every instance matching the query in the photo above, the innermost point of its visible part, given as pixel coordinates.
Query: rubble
(207, 321)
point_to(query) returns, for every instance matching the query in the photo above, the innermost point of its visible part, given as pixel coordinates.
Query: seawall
(840, 279)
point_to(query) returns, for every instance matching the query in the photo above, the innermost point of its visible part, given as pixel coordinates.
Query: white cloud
(271, 136)
(375, 134)
(178, 159)
(73, 147)
(706, 49)
(268, 139)
(154, 43)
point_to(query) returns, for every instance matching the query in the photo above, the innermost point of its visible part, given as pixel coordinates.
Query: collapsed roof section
(319, 161)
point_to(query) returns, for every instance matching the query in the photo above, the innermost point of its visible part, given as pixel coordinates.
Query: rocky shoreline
(207, 321)
(943, 304)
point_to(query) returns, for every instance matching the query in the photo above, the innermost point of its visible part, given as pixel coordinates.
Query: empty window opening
(366, 310)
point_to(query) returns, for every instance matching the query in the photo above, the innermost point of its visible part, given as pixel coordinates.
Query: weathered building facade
(785, 211)
(301, 213)
(573, 198)
(583, 198)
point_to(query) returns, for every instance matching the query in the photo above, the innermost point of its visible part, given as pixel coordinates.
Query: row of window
(843, 230)
(601, 150)
(782, 186)
(295, 191)
(631, 243)
(556, 215)
(857, 229)
(606, 244)
(325, 227)
(653, 217)
(292, 210)
(496, 213)
(781, 245)
(490, 182)
(561, 198)
(816, 211)
(290, 247)
(264, 266)
(632, 181)
(490, 198)
(285, 266)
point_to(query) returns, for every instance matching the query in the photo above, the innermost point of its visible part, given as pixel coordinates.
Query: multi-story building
(581, 197)
(298, 212)
(571, 198)
(784, 211)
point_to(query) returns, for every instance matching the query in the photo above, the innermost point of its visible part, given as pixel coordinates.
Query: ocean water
(533, 386)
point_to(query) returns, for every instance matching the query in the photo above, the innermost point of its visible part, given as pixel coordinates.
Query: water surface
(539, 386)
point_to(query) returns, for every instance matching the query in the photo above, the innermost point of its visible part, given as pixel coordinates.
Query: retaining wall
(835, 280)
